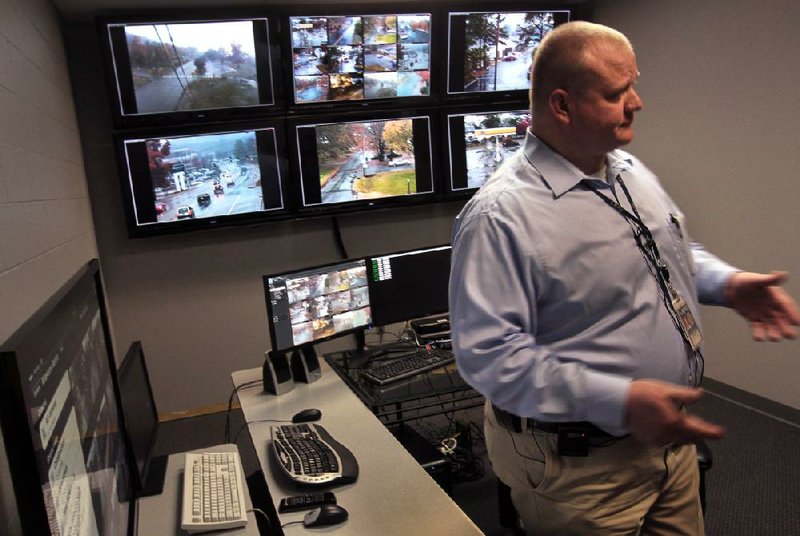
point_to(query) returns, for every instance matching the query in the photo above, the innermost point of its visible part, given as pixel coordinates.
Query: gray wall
(46, 229)
(720, 85)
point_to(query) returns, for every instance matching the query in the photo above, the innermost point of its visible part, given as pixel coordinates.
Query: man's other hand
(772, 313)
(655, 417)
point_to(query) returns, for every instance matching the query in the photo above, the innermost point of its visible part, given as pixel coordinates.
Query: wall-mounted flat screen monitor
(61, 421)
(316, 304)
(363, 163)
(184, 181)
(491, 52)
(360, 57)
(480, 142)
(190, 69)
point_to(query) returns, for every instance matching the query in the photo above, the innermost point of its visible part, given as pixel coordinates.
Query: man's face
(602, 119)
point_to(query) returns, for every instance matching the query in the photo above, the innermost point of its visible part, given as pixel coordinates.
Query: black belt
(515, 423)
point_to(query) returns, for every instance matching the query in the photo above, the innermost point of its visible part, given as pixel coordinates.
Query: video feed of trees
(366, 160)
(206, 176)
(192, 66)
(360, 57)
(489, 139)
(499, 49)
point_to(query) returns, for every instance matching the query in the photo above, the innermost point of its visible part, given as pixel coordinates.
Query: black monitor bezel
(320, 209)
(289, 273)
(268, 60)
(446, 146)
(328, 10)
(136, 230)
(19, 446)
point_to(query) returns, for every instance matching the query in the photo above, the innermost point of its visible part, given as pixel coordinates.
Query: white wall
(720, 83)
(46, 229)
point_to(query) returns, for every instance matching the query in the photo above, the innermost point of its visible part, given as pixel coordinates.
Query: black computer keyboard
(309, 455)
(422, 360)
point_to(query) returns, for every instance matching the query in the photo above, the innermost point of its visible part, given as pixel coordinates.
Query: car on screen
(185, 212)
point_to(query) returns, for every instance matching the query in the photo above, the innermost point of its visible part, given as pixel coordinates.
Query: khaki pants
(621, 488)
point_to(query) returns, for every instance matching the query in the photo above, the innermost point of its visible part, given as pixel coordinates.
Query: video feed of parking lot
(489, 139)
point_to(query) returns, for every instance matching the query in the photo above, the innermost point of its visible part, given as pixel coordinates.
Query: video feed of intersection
(192, 66)
(360, 57)
(204, 176)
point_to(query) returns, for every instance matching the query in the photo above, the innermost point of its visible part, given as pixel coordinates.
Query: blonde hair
(559, 60)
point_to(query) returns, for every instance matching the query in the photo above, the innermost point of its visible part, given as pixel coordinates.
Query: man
(574, 301)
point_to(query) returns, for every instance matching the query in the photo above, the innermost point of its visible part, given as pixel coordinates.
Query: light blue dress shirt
(554, 310)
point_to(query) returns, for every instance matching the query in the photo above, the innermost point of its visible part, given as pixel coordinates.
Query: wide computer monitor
(479, 141)
(317, 304)
(360, 57)
(181, 179)
(61, 422)
(189, 67)
(381, 160)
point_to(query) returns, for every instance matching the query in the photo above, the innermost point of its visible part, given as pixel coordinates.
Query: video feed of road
(204, 176)
(192, 66)
(498, 49)
(360, 57)
(366, 160)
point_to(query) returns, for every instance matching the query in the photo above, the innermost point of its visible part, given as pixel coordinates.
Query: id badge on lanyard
(686, 321)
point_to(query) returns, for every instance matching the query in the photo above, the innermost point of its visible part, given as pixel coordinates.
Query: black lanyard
(641, 233)
(646, 244)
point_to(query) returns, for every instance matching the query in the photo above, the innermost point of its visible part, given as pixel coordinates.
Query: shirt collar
(560, 174)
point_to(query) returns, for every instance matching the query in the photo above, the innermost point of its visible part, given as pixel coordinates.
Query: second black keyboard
(422, 360)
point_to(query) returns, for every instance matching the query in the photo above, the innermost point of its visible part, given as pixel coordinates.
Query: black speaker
(277, 373)
(305, 364)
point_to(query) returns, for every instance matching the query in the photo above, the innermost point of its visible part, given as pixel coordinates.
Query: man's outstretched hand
(759, 298)
(655, 417)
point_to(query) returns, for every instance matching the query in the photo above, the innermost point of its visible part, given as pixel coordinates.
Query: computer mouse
(307, 415)
(327, 514)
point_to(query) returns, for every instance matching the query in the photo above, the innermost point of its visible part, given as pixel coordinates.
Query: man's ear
(560, 106)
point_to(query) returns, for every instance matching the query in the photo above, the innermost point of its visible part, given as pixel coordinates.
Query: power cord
(230, 405)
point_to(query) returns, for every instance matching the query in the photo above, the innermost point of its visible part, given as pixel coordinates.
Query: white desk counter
(393, 494)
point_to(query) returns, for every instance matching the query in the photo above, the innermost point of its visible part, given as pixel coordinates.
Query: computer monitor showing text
(408, 285)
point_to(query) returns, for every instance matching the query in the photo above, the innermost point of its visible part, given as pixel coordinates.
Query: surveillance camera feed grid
(322, 305)
(366, 160)
(205, 176)
(489, 139)
(192, 66)
(374, 56)
(499, 49)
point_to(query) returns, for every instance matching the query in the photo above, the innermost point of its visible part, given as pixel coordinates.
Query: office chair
(510, 519)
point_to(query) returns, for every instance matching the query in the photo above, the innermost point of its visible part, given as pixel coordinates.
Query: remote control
(306, 501)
